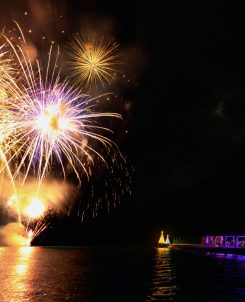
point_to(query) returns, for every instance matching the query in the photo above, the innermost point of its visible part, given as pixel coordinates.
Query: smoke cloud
(13, 234)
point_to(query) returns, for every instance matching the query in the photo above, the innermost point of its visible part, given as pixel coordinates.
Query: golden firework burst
(93, 58)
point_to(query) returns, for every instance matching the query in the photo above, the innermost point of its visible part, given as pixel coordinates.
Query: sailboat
(162, 242)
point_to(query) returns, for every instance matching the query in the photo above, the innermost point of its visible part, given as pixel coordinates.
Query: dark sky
(186, 134)
(191, 120)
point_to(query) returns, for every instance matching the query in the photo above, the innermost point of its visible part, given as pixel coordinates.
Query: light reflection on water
(39, 274)
(226, 256)
(181, 275)
(14, 272)
(163, 283)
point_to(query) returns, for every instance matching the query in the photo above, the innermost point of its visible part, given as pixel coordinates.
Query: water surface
(119, 274)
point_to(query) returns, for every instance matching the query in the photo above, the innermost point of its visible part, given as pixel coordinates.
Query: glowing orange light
(35, 209)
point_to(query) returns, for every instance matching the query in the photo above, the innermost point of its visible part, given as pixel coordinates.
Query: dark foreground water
(119, 274)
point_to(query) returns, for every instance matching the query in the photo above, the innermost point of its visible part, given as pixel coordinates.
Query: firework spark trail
(6, 70)
(114, 187)
(93, 58)
(49, 119)
(5, 66)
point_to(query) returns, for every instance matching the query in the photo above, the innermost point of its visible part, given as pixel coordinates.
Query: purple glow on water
(226, 256)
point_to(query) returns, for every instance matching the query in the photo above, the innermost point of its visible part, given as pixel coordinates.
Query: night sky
(191, 121)
(186, 124)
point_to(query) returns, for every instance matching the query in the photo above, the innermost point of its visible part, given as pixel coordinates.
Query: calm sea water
(119, 274)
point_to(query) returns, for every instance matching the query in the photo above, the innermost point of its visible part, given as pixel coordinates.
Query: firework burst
(46, 120)
(93, 58)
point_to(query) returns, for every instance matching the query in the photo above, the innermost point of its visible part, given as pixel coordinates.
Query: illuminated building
(224, 241)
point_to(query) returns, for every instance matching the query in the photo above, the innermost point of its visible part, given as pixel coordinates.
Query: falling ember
(35, 209)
